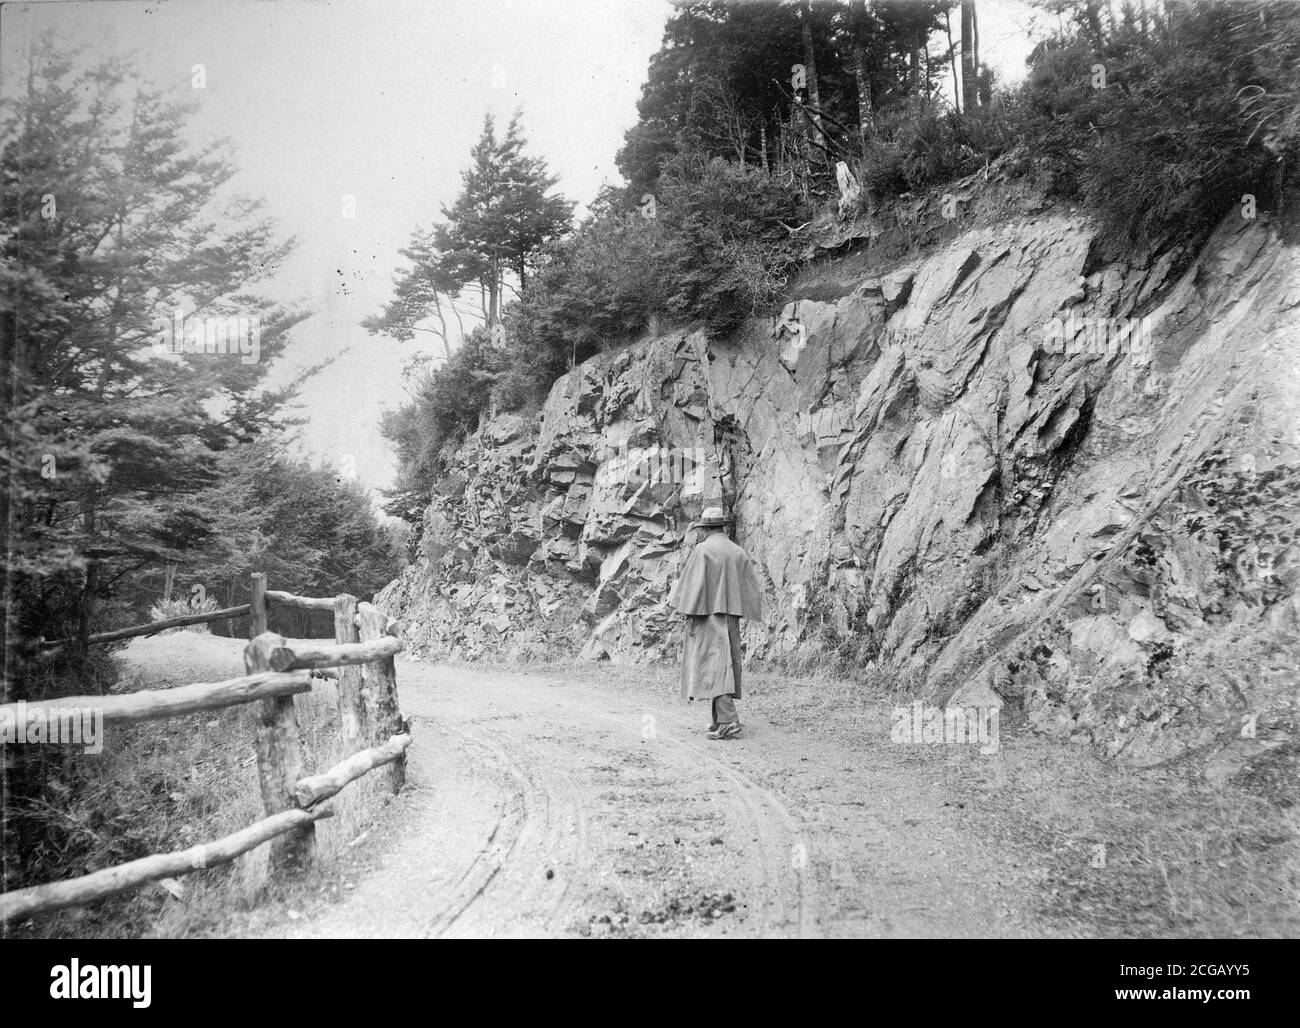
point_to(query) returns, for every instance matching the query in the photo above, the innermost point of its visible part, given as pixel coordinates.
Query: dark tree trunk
(952, 61)
(86, 611)
(969, 87)
(805, 149)
(494, 296)
(810, 66)
(860, 73)
(1092, 12)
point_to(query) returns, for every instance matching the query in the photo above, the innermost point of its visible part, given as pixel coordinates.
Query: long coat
(718, 587)
(711, 656)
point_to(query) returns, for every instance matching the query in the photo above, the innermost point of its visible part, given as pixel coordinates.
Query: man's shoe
(711, 729)
(728, 731)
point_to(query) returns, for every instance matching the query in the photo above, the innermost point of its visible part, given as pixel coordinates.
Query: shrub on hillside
(601, 286)
(1161, 132)
(444, 408)
(918, 143)
(715, 251)
(733, 243)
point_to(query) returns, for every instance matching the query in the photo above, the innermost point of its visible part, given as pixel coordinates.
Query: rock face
(1015, 468)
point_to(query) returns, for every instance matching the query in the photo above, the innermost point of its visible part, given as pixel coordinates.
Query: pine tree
(497, 225)
(108, 442)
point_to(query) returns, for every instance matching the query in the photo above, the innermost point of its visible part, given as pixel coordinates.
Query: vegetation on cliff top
(1158, 118)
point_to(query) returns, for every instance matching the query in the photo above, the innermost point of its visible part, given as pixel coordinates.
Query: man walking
(718, 587)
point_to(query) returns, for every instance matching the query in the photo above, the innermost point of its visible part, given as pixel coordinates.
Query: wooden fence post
(380, 692)
(257, 604)
(353, 726)
(279, 750)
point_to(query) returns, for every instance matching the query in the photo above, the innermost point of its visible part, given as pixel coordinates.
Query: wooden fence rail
(154, 627)
(366, 641)
(305, 658)
(41, 899)
(185, 699)
(301, 602)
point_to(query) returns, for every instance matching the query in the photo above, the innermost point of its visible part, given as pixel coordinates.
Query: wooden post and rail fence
(365, 643)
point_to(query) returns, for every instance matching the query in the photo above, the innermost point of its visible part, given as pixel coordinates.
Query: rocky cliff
(1014, 464)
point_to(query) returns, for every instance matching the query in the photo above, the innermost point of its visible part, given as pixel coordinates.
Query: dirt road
(538, 806)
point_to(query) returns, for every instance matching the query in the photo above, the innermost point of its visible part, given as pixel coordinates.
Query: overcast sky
(381, 100)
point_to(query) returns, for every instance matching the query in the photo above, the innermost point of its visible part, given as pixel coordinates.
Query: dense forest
(1156, 116)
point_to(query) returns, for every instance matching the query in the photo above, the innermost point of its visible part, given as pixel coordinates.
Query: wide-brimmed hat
(712, 518)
